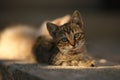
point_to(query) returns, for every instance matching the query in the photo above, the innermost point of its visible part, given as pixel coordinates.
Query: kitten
(67, 46)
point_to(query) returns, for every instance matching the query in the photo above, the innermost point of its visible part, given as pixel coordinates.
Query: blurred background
(101, 18)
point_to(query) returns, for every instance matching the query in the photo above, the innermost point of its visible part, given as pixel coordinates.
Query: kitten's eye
(64, 39)
(77, 35)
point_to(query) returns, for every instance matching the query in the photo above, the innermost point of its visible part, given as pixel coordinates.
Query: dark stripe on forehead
(66, 28)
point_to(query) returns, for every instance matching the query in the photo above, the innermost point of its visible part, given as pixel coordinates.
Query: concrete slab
(15, 71)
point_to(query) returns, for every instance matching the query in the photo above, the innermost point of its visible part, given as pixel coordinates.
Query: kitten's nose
(71, 42)
(73, 45)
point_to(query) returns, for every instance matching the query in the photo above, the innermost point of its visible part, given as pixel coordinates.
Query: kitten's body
(16, 41)
(67, 45)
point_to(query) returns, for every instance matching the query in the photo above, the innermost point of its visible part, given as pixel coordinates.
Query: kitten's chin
(64, 51)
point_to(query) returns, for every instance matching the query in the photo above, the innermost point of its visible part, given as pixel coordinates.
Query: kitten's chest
(68, 56)
(73, 60)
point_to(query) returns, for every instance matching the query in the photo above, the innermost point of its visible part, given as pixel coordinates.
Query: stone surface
(18, 71)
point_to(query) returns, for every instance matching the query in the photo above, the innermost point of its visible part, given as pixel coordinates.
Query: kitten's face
(70, 36)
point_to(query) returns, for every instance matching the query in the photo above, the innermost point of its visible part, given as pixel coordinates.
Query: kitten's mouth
(75, 52)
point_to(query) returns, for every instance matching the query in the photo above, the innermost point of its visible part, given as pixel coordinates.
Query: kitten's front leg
(70, 63)
(61, 63)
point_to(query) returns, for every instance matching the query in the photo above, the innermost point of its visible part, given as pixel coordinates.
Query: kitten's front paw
(74, 63)
(65, 64)
(86, 64)
(70, 63)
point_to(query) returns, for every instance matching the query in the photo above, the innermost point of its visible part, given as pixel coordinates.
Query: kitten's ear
(52, 29)
(76, 18)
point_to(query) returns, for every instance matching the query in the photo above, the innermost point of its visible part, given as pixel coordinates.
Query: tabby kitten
(67, 46)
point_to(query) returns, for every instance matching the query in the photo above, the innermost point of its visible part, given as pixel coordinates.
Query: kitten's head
(70, 36)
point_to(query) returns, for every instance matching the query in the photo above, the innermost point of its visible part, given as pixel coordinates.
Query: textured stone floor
(15, 71)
